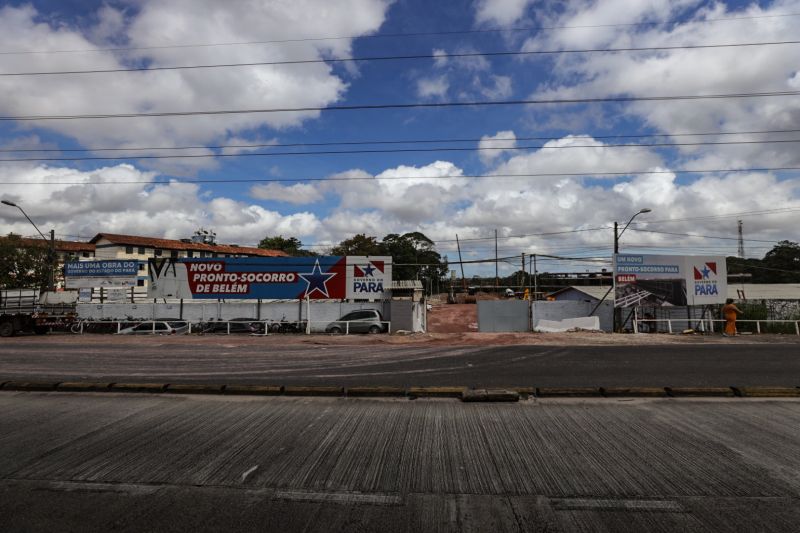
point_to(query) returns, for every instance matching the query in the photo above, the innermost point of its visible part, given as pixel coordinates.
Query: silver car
(158, 327)
(363, 321)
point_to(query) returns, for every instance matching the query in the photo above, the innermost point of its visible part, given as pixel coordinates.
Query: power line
(393, 35)
(460, 55)
(700, 236)
(387, 178)
(398, 150)
(417, 105)
(728, 215)
(394, 141)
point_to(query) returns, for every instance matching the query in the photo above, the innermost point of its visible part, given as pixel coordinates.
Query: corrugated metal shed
(591, 292)
(407, 284)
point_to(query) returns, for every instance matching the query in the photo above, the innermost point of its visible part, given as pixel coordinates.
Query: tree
(414, 257)
(780, 265)
(359, 245)
(290, 245)
(22, 265)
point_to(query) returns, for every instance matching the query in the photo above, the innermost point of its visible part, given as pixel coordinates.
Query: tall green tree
(780, 265)
(21, 265)
(290, 245)
(359, 244)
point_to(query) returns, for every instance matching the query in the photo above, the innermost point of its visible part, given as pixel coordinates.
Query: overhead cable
(399, 150)
(458, 55)
(397, 35)
(388, 178)
(417, 105)
(395, 141)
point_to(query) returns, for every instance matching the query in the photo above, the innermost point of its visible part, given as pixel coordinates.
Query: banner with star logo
(669, 280)
(271, 278)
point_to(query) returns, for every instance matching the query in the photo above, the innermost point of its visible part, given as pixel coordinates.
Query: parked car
(237, 325)
(363, 321)
(158, 327)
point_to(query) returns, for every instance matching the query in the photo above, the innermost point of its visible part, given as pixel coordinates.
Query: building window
(157, 252)
(190, 254)
(87, 254)
(202, 254)
(215, 255)
(141, 250)
(173, 253)
(141, 267)
(140, 283)
(129, 250)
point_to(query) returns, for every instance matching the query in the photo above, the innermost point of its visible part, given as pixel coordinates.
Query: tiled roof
(170, 244)
(61, 246)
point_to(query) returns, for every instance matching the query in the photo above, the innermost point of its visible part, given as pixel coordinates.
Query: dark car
(235, 325)
(363, 321)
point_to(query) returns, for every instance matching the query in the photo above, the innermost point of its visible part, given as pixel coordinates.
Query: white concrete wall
(559, 310)
(321, 312)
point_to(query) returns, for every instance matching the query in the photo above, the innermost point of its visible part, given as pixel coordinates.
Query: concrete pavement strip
(464, 393)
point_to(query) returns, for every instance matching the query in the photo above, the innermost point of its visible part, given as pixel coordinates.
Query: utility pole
(521, 277)
(535, 278)
(617, 235)
(461, 262)
(741, 242)
(52, 261)
(496, 274)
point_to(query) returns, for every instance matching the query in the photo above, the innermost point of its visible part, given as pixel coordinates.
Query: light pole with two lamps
(51, 246)
(617, 235)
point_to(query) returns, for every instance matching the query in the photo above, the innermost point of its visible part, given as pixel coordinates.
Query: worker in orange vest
(730, 312)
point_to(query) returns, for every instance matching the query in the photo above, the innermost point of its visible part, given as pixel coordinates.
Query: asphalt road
(191, 360)
(96, 462)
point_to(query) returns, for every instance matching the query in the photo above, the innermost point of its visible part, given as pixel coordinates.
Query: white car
(158, 327)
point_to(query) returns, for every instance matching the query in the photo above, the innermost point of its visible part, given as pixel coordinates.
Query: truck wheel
(6, 329)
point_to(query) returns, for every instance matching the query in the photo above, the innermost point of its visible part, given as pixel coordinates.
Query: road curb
(252, 390)
(489, 395)
(185, 388)
(435, 392)
(32, 386)
(511, 394)
(366, 392)
(700, 392)
(633, 392)
(313, 391)
(567, 392)
(769, 392)
(83, 386)
(152, 388)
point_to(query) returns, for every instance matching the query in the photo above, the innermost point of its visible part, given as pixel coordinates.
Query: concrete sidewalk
(94, 462)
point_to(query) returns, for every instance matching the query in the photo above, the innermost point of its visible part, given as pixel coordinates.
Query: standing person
(730, 312)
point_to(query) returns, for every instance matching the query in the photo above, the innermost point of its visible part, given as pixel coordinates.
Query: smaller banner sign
(88, 274)
(669, 280)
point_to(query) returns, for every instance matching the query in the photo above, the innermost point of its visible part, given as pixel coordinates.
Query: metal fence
(227, 327)
(706, 325)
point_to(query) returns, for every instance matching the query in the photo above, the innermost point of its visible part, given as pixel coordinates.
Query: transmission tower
(741, 242)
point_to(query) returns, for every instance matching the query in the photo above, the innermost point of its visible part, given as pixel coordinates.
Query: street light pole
(51, 246)
(617, 235)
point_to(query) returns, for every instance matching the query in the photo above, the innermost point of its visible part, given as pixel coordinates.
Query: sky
(537, 162)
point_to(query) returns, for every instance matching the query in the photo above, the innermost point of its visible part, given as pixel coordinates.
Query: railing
(705, 325)
(229, 327)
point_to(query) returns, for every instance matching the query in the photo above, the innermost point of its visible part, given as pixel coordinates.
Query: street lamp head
(12, 204)
(645, 210)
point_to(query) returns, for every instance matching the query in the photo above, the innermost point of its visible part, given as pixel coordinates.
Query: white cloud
(494, 146)
(435, 87)
(502, 12)
(157, 23)
(299, 193)
(498, 88)
(682, 72)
